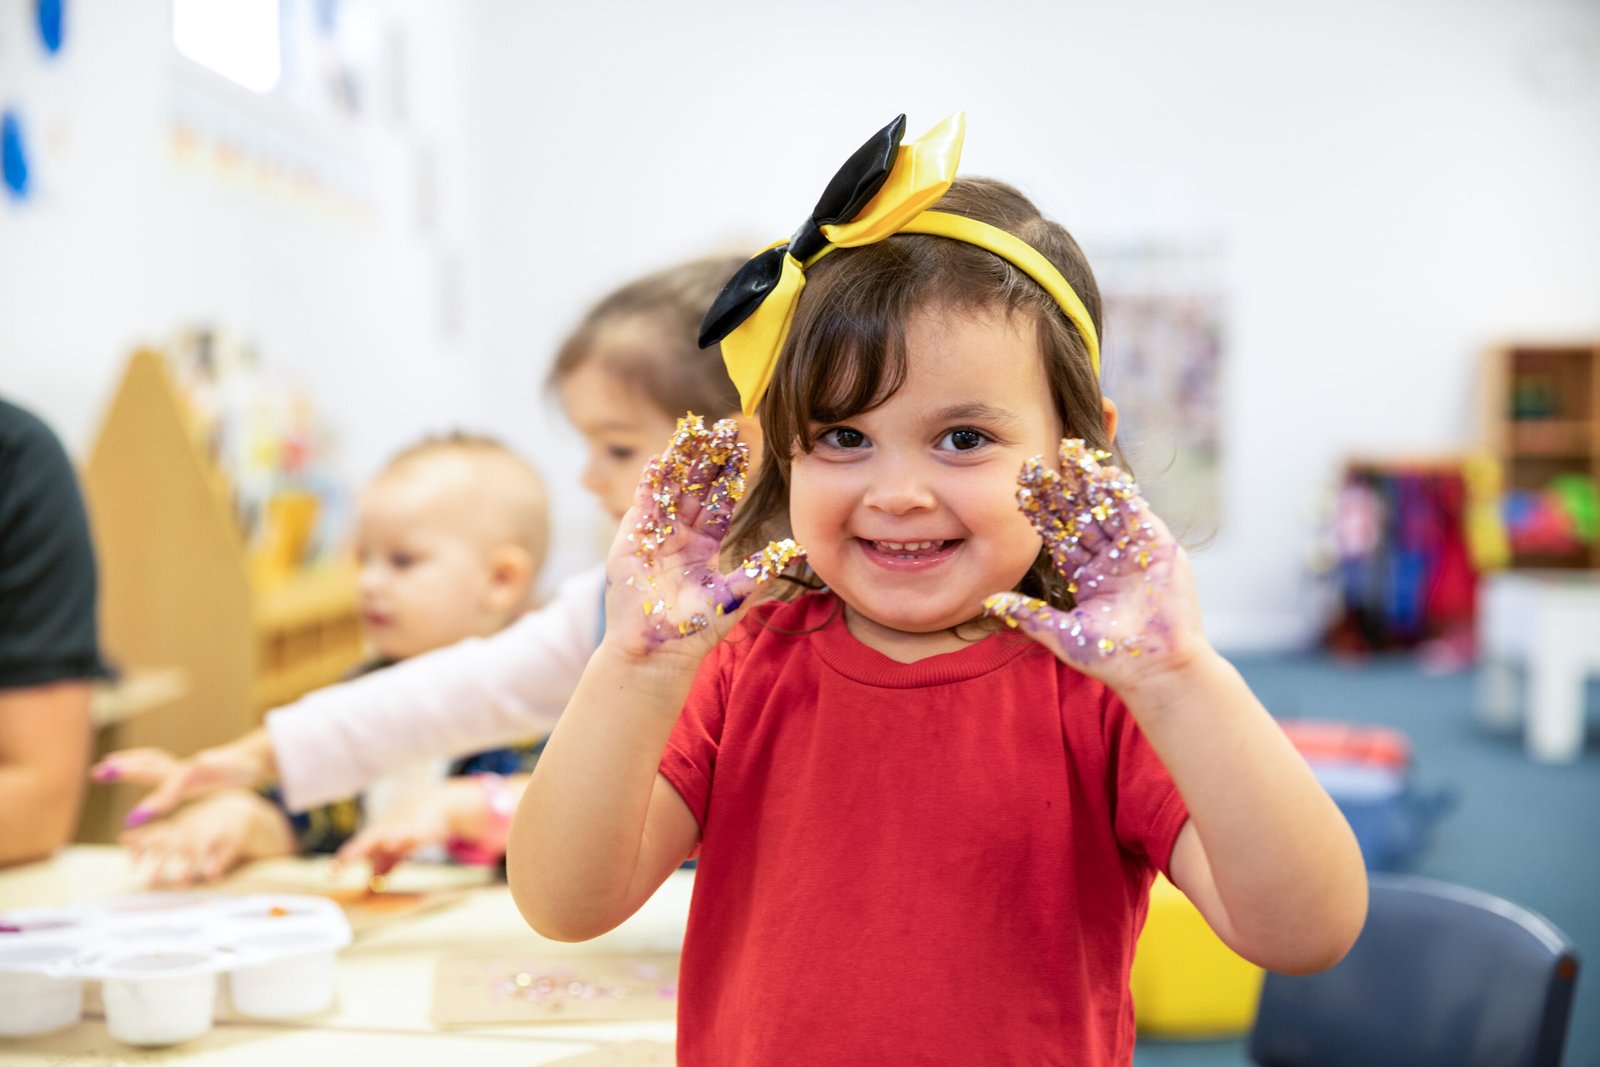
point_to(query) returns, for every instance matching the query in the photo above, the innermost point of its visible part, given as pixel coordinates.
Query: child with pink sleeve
(627, 371)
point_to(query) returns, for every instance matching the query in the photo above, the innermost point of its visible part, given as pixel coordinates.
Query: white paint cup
(33, 1001)
(298, 983)
(159, 998)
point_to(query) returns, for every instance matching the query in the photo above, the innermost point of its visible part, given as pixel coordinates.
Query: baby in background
(450, 538)
(624, 374)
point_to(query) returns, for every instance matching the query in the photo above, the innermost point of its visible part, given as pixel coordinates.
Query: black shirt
(47, 571)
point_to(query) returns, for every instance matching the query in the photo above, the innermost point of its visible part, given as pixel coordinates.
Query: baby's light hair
(516, 492)
(645, 334)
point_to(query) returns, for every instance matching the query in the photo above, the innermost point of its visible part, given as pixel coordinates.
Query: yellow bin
(1185, 981)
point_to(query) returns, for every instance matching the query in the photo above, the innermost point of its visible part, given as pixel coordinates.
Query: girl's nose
(898, 488)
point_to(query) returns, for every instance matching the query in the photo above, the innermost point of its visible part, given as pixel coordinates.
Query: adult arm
(44, 745)
(49, 645)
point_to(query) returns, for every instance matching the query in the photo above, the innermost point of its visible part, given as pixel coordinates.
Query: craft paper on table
(537, 987)
(411, 889)
(626, 1054)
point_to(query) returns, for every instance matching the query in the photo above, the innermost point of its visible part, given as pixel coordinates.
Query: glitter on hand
(701, 472)
(1101, 540)
(685, 505)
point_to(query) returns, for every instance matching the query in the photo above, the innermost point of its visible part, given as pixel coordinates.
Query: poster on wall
(1165, 340)
(284, 111)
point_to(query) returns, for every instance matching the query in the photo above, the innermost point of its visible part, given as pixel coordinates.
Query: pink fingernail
(105, 774)
(138, 817)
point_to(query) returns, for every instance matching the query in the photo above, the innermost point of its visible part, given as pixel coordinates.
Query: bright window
(239, 39)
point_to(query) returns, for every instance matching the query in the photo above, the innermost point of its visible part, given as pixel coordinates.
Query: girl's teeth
(905, 546)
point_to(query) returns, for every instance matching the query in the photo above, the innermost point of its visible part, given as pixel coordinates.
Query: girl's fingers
(1081, 636)
(1038, 620)
(696, 480)
(176, 787)
(216, 859)
(1090, 516)
(141, 766)
(384, 862)
(724, 493)
(757, 570)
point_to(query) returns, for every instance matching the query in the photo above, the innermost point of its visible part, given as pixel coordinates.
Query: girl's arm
(1266, 856)
(598, 828)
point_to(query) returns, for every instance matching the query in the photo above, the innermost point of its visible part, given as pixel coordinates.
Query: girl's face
(427, 570)
(622, 429)
(908, 512)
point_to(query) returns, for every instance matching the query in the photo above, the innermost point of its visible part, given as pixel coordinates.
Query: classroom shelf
(1542, 420)
(177, 589)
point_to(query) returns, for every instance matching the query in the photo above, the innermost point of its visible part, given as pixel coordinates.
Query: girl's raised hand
(663, 589)
(1136, 611)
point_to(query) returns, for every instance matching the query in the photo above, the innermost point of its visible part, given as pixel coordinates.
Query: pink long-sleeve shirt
(476, 694)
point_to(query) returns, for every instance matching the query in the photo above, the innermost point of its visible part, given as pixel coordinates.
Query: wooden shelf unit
(176, 590)
(1542, 419)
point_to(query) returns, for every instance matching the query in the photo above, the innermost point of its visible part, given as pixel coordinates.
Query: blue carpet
(1525, 831)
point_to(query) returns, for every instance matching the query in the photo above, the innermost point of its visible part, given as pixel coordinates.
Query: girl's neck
(906, 647)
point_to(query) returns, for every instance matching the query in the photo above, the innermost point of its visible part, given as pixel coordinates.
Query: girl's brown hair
(645, 334)
(845, 352)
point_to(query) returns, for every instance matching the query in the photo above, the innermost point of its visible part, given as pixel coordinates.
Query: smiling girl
(923, 838)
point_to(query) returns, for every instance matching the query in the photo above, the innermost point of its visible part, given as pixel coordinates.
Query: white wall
(122, 245)
(1398, 184)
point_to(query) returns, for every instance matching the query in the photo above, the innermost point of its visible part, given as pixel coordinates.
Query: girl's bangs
(846, 348)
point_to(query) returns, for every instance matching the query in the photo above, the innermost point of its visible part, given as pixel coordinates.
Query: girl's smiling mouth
(909, 555)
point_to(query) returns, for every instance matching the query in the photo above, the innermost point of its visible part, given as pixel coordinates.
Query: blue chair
(1442, 976)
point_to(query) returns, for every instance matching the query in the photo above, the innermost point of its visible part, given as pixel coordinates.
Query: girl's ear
(750, 434)
(511, 577)
(1108, 412)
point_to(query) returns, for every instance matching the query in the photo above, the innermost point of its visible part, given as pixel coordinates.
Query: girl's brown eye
(966, 439)
(844, 437)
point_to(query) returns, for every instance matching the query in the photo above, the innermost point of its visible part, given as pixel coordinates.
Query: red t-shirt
(943, 862)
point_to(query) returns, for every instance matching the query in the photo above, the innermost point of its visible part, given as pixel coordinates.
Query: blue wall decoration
(13, 155)
(51, 16)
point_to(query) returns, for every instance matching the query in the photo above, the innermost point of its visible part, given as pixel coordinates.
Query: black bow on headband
(856, 183)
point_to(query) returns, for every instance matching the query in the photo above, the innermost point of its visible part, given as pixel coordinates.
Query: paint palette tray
(158, 958)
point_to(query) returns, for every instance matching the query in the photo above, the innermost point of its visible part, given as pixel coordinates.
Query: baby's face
(621, 429)
(425, 564)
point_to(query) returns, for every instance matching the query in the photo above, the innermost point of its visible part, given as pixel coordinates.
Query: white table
(385, 979)
(1548, 623)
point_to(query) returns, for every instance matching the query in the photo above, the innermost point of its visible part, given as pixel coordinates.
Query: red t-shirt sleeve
(691, 752)
(1149, 810)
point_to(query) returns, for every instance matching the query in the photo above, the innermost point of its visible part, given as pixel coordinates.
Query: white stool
(1549, 621)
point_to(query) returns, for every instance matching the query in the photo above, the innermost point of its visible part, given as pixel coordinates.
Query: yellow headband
(885, 188)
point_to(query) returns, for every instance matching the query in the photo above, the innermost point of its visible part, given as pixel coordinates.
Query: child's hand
(1136, 611)
(661, 578)
(140, 766)
(452, 809)
(205, 840)
(245, 762)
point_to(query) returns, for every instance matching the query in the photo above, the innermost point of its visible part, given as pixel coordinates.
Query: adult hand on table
(205, 840)
(245, 762)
